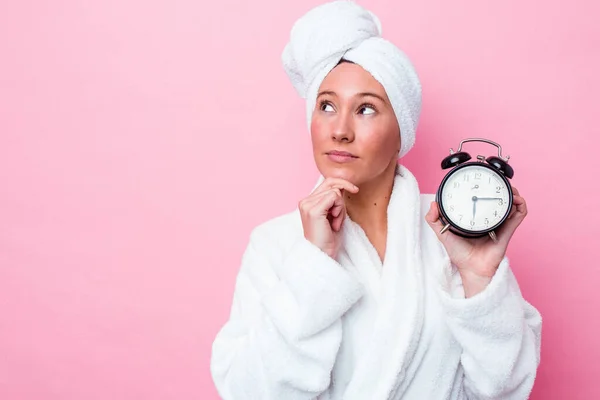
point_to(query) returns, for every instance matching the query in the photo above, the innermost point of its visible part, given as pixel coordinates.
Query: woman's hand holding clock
(478, 259)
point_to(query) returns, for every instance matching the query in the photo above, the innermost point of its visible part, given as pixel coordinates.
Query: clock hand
(489, 198)
(474, 198)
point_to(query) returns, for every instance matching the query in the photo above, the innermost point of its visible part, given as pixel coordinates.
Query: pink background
(142, 140)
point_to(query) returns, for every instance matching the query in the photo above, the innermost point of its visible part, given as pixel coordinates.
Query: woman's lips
(341, 156)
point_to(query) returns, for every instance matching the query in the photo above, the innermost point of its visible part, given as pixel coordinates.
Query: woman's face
(353, 114)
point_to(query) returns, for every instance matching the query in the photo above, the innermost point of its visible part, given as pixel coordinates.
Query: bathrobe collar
(397, 284)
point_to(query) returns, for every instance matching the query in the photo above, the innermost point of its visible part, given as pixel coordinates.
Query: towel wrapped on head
(342, 29)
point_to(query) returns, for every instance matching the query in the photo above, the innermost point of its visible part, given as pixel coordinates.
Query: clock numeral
(466, 178)
(500, 202)
(472, 223)
(451, 208)
(487, 222)
(495, 213)
(477, 175)
(498, 189)
(460, 217)
(456, 185)
(449, 195)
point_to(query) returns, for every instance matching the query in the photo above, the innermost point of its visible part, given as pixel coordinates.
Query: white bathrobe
(306, 326)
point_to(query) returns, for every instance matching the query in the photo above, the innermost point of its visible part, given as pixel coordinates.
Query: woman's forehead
(348, 79)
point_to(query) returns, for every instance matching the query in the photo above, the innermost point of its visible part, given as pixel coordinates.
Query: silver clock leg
(445, 228)
(493, 236)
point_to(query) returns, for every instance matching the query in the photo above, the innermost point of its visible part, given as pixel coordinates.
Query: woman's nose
(343, 129)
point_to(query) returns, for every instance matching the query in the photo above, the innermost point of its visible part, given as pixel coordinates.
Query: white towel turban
(343, 29)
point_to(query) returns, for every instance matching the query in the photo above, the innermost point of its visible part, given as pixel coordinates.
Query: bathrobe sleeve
(500, 334)
(284, 328)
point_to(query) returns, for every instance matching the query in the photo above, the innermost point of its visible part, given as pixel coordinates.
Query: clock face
(475, 198)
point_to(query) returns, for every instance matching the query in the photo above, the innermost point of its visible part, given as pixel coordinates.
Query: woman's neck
(368, 207)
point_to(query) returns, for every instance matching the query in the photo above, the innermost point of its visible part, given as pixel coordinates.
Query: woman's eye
(324, 107)
(368, 110)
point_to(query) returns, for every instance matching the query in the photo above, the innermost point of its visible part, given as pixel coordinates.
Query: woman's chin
(340, 172)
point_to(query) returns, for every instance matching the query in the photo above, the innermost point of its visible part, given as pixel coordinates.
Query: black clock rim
(467, 233)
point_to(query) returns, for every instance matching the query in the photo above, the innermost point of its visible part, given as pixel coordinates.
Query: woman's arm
(500, 334)
(284, 331)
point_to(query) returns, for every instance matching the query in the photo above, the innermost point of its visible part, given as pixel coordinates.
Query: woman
(356, 294)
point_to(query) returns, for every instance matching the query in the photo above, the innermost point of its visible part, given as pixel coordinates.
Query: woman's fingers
(324, 203)
(517, 216)
(514, 207)
(336, 225)
(337, 205)
(318, 221)
(520, 207)
(334, 205)
(331, 202)
(330, 183)
(433, 218)
(314, 198)
(433, 214)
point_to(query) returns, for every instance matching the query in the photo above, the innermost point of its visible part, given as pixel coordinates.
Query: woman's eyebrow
(361, 94)
(329, 92)
(365, 94)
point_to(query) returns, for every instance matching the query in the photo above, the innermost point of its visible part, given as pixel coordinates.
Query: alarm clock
(475, 197)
